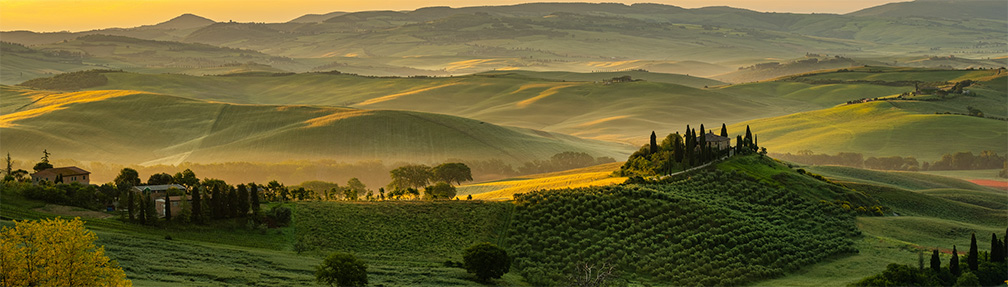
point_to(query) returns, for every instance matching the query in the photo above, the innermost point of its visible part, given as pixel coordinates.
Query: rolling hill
(576, 37)
(122, 126)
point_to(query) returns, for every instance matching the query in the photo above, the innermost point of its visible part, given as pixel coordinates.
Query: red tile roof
(65, 171)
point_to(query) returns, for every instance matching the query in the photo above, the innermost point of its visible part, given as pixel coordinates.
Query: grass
(506, 189)
(130, 127)
(878, 129)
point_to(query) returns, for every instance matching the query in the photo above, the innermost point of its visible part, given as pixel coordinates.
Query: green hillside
(616, 112)
(121, 126)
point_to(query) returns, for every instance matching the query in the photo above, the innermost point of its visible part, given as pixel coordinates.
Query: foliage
(897, 275)
(70, 81)
(440, 190)
(342, 269)
(410, 176)
(486, 261)
(279, 215)
(713, 228)
(55, 252)
(452, 172)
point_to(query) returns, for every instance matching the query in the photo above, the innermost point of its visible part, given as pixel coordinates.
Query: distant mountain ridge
(184, 21)
(949, 9)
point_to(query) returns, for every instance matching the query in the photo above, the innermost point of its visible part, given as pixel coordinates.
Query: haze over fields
(714, 143)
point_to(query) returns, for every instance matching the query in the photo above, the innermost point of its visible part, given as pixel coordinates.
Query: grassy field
(506, 189)
(138, 127)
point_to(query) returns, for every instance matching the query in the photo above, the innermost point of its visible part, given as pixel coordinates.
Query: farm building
(716, 142)
(157, 193)
(68, 174)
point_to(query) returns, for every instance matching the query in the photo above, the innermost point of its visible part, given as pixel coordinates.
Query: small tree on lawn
(486, 261)
(341, 269)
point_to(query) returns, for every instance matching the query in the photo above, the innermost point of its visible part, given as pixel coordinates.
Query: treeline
(680, 152)
(70, 81)
(958, 161)
(986, 268)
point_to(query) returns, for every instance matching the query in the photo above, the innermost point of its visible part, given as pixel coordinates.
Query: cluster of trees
(407, 179)
(717, 228)
(55, 252)
(956, 161)
(680, 152)
(70, 81)
(201, 200)
(987, 268)
(563, 161)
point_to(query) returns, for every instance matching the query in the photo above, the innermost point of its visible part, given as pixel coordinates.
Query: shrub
(486, 261)
(341, 269)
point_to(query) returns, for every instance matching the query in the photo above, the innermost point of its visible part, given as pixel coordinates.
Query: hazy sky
(78, 15)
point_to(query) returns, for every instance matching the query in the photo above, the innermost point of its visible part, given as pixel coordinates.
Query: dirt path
(71, 211)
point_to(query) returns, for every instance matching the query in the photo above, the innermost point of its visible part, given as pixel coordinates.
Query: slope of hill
(620, 111)
(949, 9)
(577, 37)
(138, 127)
(599, 175)
(184, 21)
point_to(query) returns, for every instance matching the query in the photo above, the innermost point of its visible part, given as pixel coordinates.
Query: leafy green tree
(968, 279)
(935, 262)
(440, 190)
(452, 172)
(972, 258)
(341, 269)
(486, 261)
(127, 176)
(954, 262)
(186, 177)
(354, 189)
(410, 176)
(160, 178)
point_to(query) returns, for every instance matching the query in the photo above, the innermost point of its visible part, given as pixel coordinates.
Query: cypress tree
(724, 130)
(954, 262)
(167, 207)
(654, 144)
(1004, 246)
(935, 262)
(216, 209)
(703, 145)
(738, 144)
(748, 137)
(973, 255)
(678, 148)
(254, 198)
(996, 255)
(142, 209)
(755, 142)
(243, 200)
(151, 211)
(232, 203)
(130, 203)
(197, 206)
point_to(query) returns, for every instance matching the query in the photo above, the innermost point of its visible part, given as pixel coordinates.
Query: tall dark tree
(654, 144)
(197, 204)
(1004, 246)
(996, 255)
(747, 140)
(9, 169)
(150, 213)
(724, 130)
(142, 208)
(167, 206)
(677, 147)
(243, 200)
(973, 257)
(216, 202)
(954, 262)
(738, 144)
(935, 262)
(231, 204)
(254, 198)
(702, 141)
(130, 204)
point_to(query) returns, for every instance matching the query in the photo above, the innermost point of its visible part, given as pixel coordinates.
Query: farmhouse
(67, 174)
(716, 142)
(157, 193)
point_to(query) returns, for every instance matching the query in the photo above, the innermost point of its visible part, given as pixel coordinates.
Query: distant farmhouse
(157, 193)
(68, 174)
(716, 142)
